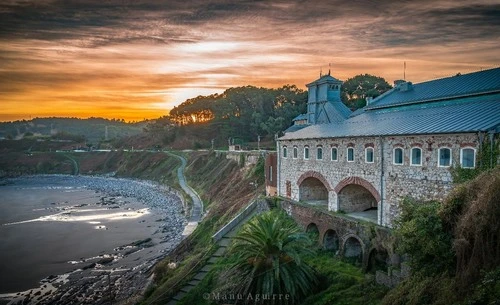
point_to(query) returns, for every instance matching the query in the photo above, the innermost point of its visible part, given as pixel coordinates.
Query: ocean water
(45, 229)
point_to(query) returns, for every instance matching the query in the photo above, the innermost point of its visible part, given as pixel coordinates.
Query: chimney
(368, 99)
(402, 86)
(398, 82)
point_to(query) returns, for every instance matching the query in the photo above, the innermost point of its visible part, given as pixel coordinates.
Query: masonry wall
(386, 182)
(249, 157)
(353, 238)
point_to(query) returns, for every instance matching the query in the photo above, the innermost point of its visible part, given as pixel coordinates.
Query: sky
(138, 59)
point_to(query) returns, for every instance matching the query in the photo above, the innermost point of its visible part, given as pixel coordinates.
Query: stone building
(401, 143)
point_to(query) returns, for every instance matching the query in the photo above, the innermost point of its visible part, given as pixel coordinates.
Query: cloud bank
(137, 59)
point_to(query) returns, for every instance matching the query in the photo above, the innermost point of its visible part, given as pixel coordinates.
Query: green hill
(92, 130)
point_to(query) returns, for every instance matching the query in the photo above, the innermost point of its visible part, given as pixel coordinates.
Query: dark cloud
(112, 50)
(99, 23)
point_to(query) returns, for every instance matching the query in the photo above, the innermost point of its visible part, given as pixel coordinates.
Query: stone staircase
(222, 239)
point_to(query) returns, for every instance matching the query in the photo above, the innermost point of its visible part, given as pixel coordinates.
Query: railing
(235, 221)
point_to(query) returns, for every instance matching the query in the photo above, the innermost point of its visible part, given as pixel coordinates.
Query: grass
(343, 283)
(225, 186)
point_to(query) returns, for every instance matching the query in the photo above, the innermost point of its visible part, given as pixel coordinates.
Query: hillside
(464, 256)
(91, 130)
(238, 116)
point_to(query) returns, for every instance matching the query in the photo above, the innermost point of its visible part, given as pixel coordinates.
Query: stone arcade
(401, 143)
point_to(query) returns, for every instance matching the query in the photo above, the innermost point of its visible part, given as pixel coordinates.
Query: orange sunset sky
(138, 59)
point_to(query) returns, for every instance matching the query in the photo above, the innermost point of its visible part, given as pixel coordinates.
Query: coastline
(118, 273)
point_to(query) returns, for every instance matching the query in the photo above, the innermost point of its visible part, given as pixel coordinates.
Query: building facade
(401, 144)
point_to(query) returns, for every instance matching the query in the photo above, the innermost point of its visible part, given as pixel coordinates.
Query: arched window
(416, 156)
(284, 152)
(319, 153)
(468, 157)
(306, 152)
(350, 154)
(369, 155)
(398, 156)
(334, 154)
(444, 156)
(295, 152)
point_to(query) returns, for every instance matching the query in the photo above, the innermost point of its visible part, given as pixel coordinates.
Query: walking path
(197, 209)
(221, 245)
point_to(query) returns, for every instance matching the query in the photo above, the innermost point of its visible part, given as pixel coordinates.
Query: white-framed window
(285, 152)
(350, 154)
(334, 154)
(306, 152)
(295, 152)
(444, 157)
(416, 156)
(369, 155)
(319, 153)
(398, 156)
(468, 157)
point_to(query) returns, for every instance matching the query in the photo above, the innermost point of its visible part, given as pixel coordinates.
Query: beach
(82, 239)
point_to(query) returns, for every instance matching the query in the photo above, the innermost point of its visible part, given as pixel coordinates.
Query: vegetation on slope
(274, 260)
(226, 188)
(92, 129)
(245, 114)
(456, 244)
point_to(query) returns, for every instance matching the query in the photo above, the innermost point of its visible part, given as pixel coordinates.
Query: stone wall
(341, 234)
(386, 182)
(249, 157)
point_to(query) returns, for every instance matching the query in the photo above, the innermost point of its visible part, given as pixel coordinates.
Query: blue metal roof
(444, 88)
(294, 128)
(300, 117)
(468, 114)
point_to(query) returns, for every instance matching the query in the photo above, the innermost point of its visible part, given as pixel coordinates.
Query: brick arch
(358, 181)
(316, 175)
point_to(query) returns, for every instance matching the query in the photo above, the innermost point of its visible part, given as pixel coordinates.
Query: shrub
(421, 234)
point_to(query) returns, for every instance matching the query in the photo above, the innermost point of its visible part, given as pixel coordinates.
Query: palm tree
(266, 256)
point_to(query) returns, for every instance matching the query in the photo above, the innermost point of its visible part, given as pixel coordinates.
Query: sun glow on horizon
(139, 64)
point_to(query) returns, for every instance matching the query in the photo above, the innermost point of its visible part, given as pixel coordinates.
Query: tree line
(250, 112)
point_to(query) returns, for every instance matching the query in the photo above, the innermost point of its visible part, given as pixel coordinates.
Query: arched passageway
(331, 241)
(356, 198)
(313, 191)
(312, 230)
(353, 250)
(378, 260)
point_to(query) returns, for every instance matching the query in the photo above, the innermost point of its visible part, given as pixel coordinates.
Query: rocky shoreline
(122, 272)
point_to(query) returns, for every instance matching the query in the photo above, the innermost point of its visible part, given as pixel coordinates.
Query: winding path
(76, 169)
(197, 209)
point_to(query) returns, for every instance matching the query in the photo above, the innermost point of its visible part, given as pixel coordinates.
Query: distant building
(401, 144)
(270, 174)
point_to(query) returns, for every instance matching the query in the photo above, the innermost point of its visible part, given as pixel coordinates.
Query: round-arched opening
(356, 198)
(377, 260)
(353, 251)
(313, 191)
(331, 241)
(312, 230)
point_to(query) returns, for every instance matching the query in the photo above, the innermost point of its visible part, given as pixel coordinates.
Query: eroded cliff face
(141, 164)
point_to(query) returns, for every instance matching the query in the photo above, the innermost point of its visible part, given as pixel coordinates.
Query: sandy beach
(82, 240)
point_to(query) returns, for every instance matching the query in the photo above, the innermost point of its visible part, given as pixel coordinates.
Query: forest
(246, 114)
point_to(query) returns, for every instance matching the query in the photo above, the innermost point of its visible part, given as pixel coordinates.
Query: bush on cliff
(454, 247)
